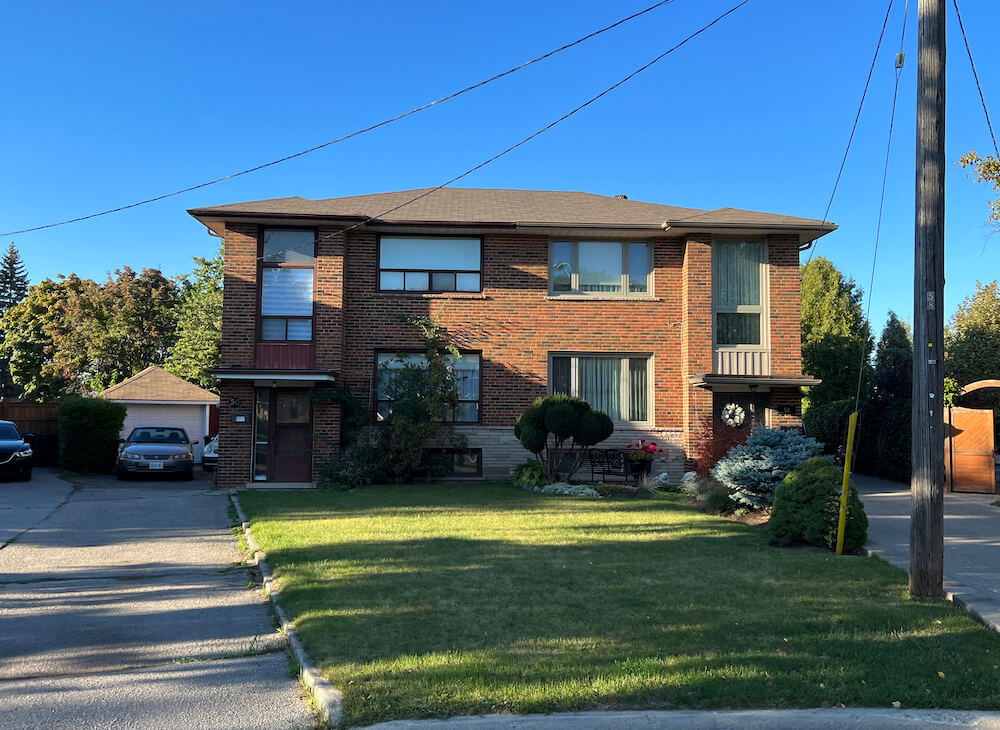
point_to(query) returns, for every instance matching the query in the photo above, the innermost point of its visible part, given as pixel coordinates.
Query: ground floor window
(465, 368)
(457, 462)
(615, 384)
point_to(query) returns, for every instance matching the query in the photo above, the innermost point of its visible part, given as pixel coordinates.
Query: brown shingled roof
(510, 207)
(156, 384)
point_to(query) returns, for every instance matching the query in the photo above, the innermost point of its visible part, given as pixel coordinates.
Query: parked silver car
(156, 450)
(210, 454)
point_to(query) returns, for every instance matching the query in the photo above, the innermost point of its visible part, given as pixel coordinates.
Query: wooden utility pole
(927, 484)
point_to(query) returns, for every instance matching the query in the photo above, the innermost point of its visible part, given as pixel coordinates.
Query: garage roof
(156, 385)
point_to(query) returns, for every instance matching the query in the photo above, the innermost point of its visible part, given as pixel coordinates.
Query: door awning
(707, 380)
(265, 377)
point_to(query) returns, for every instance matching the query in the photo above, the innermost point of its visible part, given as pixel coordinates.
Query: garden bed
(429, 601)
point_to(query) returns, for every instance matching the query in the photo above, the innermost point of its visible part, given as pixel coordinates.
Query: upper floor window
(600, 267)
(737, 276)
(464, 369)
(286, 284)
(616, 384)
(408, 263)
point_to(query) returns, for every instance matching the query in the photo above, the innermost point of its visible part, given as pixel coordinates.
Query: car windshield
(8, 432)
(153, 435)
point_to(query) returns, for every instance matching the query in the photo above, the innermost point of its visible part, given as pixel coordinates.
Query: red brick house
(659, 315)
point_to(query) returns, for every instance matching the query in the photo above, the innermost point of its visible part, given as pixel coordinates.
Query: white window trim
(576, 292)
(623, 385)
(764, 308)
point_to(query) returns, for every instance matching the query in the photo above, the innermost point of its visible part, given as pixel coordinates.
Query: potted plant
(640, 457)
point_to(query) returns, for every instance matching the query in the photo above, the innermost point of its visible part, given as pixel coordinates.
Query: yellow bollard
(842, 523)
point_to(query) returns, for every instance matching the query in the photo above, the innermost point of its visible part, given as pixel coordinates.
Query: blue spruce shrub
(753, 470)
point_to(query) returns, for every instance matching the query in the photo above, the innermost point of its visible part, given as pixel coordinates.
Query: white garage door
(190, 418)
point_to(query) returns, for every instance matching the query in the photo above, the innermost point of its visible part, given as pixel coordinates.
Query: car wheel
(187, 476)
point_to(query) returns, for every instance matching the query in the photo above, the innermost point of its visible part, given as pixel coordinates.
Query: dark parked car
(156, 450)
(210, 454)
(16, 455)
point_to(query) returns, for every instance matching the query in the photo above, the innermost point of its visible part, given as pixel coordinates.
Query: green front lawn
(427, 601)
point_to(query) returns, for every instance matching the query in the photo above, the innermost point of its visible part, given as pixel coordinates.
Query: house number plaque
(235, 402)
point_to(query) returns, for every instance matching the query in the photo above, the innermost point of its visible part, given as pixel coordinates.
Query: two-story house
(660, 316)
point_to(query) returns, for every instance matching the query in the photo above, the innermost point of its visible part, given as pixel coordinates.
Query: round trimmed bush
(807, 508)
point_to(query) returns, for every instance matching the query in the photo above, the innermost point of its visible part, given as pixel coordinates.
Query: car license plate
(156, 465)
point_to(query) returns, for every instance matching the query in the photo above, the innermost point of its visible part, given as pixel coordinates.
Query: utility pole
(927, 484)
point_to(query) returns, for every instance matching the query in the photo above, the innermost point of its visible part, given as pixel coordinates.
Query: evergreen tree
(13, 290)
(834, 332)
(13, 279)
(894, 361)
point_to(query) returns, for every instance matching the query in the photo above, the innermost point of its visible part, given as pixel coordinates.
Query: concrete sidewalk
(125, 606)
(971, 541)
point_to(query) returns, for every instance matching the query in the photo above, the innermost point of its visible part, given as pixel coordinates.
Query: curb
(957, 594)
(816, 719)
(328, 699)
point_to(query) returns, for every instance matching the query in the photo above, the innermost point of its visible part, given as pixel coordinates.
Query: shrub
(529, 474)
(807, 508)
(365, 464)
(752, 470)
(827, 423)
(570, 490)
(89, 429)
(715, 440)
(711, 493)
(558, 429)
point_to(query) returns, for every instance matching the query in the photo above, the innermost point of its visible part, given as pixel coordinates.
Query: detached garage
(155, 397)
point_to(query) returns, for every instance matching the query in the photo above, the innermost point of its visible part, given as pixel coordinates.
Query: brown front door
(283, 428)
(291, 446)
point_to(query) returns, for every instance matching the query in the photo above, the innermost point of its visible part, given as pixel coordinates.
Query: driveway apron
(122, 604)
(971, 540)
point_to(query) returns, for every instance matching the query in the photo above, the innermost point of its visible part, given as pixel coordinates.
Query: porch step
(280, 485)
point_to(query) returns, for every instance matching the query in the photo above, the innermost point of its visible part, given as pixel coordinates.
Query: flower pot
(639, 469)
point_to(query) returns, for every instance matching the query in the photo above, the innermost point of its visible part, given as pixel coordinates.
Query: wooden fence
(41, 419)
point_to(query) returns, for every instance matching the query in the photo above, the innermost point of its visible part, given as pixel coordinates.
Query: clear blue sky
(107, 103)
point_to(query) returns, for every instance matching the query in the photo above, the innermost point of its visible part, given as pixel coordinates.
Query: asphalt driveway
(122, 604)
(971, 540)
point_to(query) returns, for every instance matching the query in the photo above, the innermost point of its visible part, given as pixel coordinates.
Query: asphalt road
(971, 540)
(122, 605)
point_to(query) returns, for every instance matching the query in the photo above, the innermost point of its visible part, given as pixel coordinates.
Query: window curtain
(638, 395)
(737, 273)
(599, 383)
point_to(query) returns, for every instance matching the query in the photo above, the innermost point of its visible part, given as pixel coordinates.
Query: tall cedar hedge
(88, 434)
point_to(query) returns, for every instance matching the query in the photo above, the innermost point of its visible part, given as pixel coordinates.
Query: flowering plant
(641, 451)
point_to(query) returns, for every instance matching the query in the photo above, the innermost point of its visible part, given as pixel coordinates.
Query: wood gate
(970, 463)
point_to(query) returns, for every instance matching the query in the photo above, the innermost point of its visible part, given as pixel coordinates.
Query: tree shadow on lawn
(705, 615)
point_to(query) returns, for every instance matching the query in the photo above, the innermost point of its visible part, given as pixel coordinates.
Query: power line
(854, 128)
(346, 137)
(541, 131)
(975, 74)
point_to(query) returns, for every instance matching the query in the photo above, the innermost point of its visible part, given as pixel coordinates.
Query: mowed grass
(428, 601)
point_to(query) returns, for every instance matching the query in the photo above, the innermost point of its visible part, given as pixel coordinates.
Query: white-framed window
(286, 284)
(596, 268)
(465, 369)
(617, 384)
(739, 292)
(426, 264)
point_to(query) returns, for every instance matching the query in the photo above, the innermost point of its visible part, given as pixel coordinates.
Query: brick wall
(235, 439)
(785, 305)
(515, 325)
(698, 353)
(239, 306)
